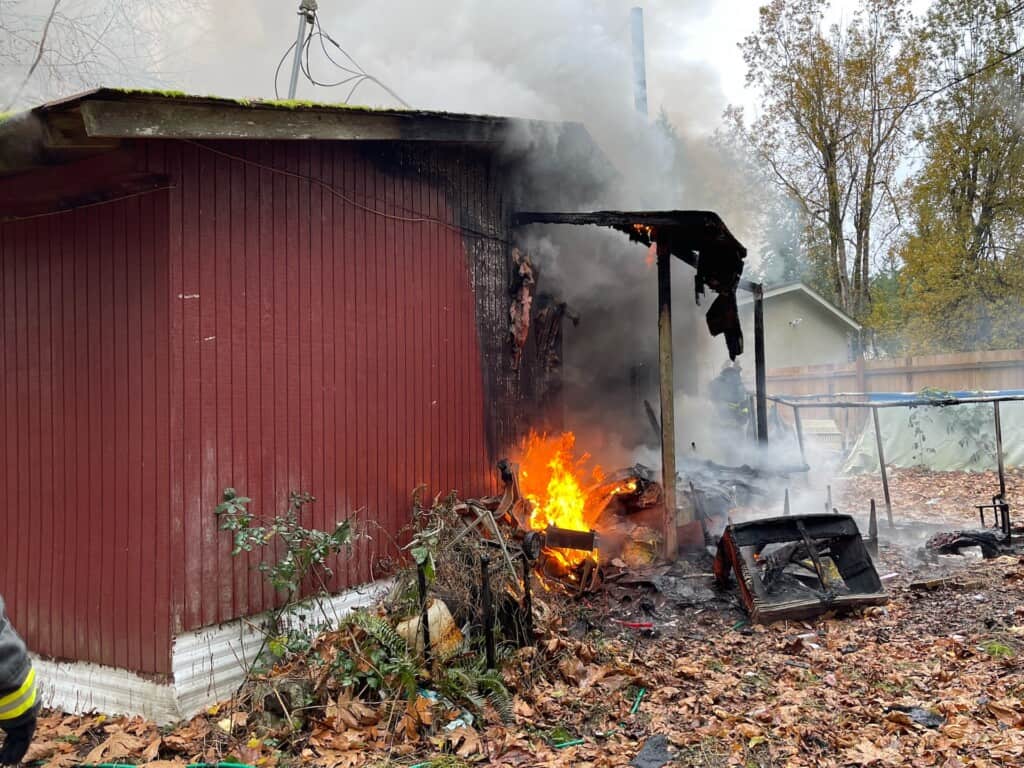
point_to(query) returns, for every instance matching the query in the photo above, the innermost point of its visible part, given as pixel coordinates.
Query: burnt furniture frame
(741, 543)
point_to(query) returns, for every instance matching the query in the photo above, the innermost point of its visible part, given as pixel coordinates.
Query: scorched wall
(318, 316)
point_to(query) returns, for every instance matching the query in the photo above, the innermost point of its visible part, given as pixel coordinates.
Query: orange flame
(552, 479)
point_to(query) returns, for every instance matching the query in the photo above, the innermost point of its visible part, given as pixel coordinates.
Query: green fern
(497, 694)
(474, 688)
(381, 631)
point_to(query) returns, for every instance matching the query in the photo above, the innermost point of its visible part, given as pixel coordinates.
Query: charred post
(527, 601)
(760, 372)
(421, 583)
(873, 530)
(668, 419)
(488, 614)
(881, 466)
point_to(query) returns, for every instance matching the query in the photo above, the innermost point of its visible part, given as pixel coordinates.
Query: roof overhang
(99, 120)
(782, 290)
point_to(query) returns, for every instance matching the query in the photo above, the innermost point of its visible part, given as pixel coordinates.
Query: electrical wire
(277, 72)
(83, 206)
(358, 75)
(1004, 57)
(320, 31)
(418, 219)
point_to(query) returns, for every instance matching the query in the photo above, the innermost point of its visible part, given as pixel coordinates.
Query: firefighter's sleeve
(18, 694)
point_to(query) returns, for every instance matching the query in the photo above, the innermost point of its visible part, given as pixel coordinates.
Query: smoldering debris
(797, 567)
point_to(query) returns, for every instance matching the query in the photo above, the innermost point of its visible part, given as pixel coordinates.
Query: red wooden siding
(244, 328)
(317, 343)
(83, 412)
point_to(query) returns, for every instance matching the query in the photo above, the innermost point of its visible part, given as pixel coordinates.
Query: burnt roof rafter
(699, 238)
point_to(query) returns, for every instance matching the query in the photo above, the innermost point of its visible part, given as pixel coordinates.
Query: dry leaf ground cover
(832, 692)
(922, 495)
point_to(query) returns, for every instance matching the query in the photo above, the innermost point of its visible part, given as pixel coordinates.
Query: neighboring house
(802, 328)
(198, 293)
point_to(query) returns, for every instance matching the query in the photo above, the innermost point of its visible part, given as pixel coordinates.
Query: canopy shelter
(701, 239)
(934, 439)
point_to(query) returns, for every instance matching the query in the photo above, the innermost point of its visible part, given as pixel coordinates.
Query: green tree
(833, 125)
(962, 281)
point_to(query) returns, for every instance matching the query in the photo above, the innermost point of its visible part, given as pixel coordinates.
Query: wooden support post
(668, 416)
(881, 466)
(760, 371)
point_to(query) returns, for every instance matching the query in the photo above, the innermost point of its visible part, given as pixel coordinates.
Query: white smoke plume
(557, 60)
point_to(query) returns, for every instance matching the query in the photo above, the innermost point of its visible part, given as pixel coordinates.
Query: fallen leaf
(864, 752)
(465, 741)
(41, 750)
(119, 745)
(152, 751)
(1005, 713)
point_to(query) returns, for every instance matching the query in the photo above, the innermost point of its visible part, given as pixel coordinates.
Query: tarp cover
(941, 439)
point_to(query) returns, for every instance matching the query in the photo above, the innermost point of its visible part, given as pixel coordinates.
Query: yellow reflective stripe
(21, 708)
(18, 702)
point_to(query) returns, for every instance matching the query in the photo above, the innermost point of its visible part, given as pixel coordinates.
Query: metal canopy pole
(999, 451)
(760, 376)
(881, 466)
(799, 433)
(668, 416)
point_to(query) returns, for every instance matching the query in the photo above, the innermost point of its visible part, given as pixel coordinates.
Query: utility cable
(359, 75)
(277, 72)
(1003, 58)
(418, 219)
(307, 69)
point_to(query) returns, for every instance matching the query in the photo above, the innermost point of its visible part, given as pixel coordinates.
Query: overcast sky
(462, 55)
(535, 58)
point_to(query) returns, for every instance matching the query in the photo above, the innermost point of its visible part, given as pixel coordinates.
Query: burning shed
(200, 293)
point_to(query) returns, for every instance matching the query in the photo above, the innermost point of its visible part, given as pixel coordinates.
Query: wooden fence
(970, 371)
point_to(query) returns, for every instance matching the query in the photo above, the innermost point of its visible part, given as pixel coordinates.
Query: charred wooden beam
(668, 418)
(700, 238)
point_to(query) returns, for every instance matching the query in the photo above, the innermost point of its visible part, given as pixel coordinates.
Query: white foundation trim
(207, 665)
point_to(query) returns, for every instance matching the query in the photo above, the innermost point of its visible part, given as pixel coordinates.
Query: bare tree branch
(38, 57)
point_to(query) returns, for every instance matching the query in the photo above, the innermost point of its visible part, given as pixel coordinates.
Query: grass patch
(718, 753)
(998, 650)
